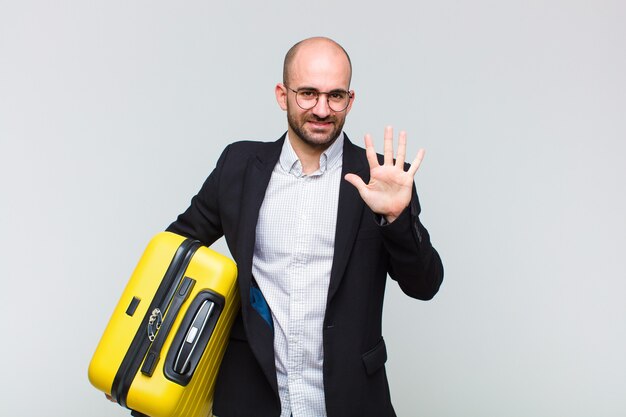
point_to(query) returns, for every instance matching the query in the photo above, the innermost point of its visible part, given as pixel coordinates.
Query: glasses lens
(338, 100)
(307, 99)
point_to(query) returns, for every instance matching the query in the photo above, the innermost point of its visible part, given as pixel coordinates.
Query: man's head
(316, 65)
(319, 41)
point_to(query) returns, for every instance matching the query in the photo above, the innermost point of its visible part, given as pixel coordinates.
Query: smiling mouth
(319, 124)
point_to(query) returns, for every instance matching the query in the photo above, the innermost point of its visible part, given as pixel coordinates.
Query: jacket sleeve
(413, 262)
(202, 219)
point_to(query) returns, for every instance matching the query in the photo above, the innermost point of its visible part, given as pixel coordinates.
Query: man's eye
(307, 94)
(339, 95)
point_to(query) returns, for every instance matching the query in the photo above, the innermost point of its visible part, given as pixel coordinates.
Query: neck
(309, 155)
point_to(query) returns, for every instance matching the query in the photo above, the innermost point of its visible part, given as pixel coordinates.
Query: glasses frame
(317, 99)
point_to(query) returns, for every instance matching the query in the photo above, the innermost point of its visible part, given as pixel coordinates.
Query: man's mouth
(320, 124)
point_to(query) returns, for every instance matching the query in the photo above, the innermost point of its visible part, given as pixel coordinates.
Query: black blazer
(355, 382)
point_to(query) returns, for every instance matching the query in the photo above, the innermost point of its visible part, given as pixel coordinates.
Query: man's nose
(321, 108)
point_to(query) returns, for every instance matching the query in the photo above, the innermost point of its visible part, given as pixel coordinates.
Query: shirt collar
(329, 159)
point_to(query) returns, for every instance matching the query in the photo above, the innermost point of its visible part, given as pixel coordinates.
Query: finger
(417, 162)
(401, 149)
(388, 150)
(370, 152)
(356, 181)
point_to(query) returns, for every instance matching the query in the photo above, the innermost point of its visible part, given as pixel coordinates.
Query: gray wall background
(113, 113)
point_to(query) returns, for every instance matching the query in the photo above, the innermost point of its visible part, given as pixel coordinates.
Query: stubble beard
(315, 140)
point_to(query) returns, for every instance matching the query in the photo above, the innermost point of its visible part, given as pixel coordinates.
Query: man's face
(317, 127)
(321, 68)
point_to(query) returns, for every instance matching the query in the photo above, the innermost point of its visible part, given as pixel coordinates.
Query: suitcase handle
(193, 336)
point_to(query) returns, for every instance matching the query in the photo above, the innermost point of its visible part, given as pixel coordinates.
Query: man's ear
(281, 95)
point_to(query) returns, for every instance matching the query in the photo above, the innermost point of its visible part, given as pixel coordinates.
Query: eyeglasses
(307, 98)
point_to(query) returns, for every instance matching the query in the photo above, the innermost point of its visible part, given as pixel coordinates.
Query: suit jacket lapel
(349, 212)
(257, 178)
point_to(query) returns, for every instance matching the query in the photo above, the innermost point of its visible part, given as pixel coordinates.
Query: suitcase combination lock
(154, 323)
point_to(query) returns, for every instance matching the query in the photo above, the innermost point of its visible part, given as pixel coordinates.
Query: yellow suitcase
(161, 350)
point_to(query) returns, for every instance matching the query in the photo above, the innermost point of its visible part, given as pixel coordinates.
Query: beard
(315, 139)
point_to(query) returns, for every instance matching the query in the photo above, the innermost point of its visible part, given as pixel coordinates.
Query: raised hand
(388, 192)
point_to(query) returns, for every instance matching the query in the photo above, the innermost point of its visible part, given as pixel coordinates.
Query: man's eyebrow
(334, 90)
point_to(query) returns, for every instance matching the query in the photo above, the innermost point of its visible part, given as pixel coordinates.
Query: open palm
(388, 192)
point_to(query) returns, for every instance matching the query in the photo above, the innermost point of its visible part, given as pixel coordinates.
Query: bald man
(315, 224)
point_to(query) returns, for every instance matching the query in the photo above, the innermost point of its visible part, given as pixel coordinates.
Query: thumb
(356, 181)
